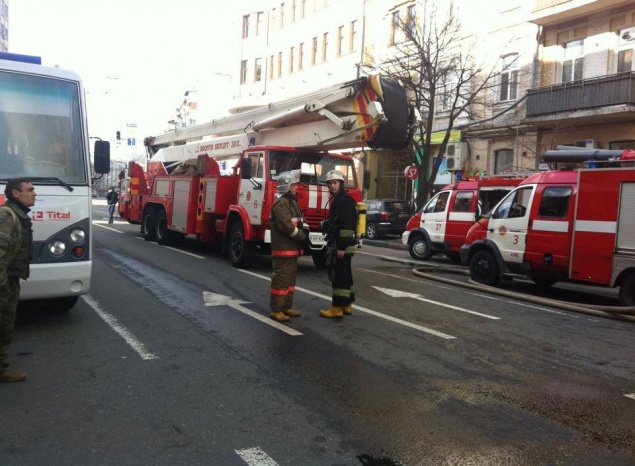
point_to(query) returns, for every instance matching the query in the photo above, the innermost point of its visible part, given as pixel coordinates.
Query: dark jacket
(112, 197)
(16, 237)
(286, 224)
(343, 221)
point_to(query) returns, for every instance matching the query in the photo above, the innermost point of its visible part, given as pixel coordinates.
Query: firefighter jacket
(343, 221)
(286, 224)
(16, 238)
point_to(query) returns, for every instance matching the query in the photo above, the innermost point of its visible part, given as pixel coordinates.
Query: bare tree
(432, 58)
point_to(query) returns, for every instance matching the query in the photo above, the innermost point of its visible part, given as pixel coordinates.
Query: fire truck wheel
(419, 249)
(242, 253)
(148, 224)
(627, 291)
(484, 269)
(372, 232)
(163, 234)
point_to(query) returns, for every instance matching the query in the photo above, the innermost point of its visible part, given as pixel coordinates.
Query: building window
(503, 161)
(243, 72)
(291, 52)
(394, 28)
(573, 61)
(302, 8)
(446, 93)
(279, 64)
(351, 36)
(259, 19)
(257, 70)
(314, 46)
(508, 79)
(340, 41)
(281, 15)
(245, 26)
(412, 21)
(625, 50)
(301, 56)
(325, 44)
(271, 67)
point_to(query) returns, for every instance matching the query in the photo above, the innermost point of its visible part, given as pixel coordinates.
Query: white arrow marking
(405, 294)
(215, 299)
(256, 457)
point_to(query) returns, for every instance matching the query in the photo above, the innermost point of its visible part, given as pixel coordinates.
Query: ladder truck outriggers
(574, 224)
(217, 180)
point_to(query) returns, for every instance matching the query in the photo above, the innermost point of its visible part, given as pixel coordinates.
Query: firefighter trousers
(343, 290)
(8, 312)
(285, 270)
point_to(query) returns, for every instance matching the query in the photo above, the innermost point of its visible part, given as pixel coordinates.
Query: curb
(384, 244)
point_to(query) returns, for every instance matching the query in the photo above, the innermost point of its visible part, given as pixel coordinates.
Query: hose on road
(610, 312)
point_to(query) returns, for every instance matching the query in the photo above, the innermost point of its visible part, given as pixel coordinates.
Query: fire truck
(217, 180)
(441, 226)
(563, 225)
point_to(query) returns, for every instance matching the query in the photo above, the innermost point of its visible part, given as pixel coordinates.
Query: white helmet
(335, 175)
(286, 179)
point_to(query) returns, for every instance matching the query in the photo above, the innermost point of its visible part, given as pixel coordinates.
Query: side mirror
(245, 168)
(366, 181)
(102, 157)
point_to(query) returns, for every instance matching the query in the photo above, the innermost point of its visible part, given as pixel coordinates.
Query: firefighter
(341, 242)
(287, 243)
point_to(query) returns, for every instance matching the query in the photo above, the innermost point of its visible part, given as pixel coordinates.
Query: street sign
(411, 172)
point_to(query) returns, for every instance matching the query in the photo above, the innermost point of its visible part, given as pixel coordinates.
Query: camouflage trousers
(285, 270)
(7, 320)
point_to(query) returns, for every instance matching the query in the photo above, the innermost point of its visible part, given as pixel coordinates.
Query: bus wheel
(241, 252)
(319, 258)
(419, 248)
(148, 224)
(163, 235)
(484, 269)
(627, 291)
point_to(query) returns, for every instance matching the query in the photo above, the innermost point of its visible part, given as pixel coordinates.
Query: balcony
(545, 12)
(610, 97)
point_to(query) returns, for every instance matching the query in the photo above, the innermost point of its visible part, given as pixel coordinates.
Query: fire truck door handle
(491, 230)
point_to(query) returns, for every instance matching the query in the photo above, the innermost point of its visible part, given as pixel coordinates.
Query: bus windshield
(40, 129)
(313, 166)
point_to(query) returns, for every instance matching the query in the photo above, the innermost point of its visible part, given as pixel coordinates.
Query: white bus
(44, 137)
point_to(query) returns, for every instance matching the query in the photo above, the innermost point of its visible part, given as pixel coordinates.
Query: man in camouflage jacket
(16, 238)
(287, 244)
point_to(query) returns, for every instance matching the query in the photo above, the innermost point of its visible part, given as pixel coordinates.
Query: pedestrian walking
(112, 198)
(341, 243)
(16, 238)
(287, 243)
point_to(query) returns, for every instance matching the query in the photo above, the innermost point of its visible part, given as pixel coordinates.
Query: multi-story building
(4, 25)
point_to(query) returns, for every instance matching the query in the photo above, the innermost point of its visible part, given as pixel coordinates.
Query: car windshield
(398, 207)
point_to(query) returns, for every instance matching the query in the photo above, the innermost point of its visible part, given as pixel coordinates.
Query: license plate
(316, 238)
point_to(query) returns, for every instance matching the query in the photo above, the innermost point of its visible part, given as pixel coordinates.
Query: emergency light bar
(22, 58)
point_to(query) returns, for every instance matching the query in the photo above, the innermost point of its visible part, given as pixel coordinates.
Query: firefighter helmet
(286, 179)
(335, 175)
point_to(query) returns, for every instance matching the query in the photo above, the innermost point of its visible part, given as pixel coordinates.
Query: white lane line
(630, 395)
(120, 329)
(105, 227)
(363, 309)
(405, 278)
(256, 457)
(173, 249)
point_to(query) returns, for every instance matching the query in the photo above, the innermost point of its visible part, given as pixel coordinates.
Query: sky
(136, 57)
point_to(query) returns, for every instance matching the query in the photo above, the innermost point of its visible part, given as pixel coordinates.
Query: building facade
(4, 25)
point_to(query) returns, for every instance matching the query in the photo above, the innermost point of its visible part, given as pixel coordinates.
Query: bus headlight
(78, 236)
(57, 247)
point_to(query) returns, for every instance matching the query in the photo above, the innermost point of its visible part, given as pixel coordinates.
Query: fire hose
(625, 313)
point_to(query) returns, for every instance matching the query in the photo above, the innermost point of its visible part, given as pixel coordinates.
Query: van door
(434, 216)
(252, 191)
(509, 222)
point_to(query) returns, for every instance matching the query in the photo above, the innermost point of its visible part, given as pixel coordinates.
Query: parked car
(386, 216)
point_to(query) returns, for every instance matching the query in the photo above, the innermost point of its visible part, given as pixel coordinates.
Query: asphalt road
(171, 359)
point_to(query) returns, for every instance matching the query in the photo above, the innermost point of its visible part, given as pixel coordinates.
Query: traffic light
(118, 135)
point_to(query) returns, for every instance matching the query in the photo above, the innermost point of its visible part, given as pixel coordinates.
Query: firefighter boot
(335, 311)
(279, 316)
(292, 312)
(348, 309)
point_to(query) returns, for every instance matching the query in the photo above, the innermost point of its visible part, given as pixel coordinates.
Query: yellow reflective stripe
(347, 233)
(350, 250)
(295, 232)
(341, 292)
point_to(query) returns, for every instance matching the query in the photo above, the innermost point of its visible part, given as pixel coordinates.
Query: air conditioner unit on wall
(586, 143)
(456, 155)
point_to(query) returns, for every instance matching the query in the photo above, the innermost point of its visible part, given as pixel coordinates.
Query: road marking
(406, 294)
(363, 309)
(630, 395)
(171, 248)
(256, 457)
(105, 227)
(214, 299)
(405, 278)
(120, 329)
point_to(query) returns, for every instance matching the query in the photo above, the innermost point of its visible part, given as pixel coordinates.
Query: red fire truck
(441, 226)
(217, 181)
(574, 224)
